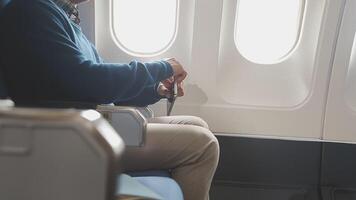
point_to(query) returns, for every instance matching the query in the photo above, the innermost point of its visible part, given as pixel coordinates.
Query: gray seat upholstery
(57, 155)
(3, 92)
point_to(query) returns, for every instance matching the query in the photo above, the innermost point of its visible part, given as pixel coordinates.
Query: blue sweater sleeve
(147, 97)
(84, 80)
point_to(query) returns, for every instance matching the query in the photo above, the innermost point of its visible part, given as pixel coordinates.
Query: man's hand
(165, 92)
(180, 89)
(178, 71)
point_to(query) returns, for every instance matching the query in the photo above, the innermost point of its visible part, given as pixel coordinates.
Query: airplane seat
(58, 155)
(3, 93)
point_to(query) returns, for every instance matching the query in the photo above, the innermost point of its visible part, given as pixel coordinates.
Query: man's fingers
(167, 93)
(178, 70)
(180, 78)
(163, 91)
(180, 89)
(168, 82)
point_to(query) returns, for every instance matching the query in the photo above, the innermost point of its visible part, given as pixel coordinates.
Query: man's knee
(196, 121)
(209, 143)
(214, 148)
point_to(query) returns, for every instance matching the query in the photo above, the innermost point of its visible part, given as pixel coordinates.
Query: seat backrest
(57, 155)
(3, 92)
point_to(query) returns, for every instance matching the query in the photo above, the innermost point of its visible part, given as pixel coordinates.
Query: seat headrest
(3, 3)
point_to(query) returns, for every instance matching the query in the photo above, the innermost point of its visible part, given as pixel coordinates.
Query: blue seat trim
(166, 187)
(129, 186)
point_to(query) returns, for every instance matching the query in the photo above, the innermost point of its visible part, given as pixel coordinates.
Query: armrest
(146, 111)
(6, 103)
(57, 154)
(129, 122)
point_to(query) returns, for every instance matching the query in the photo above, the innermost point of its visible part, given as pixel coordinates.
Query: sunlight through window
(145, 27)
(267, 31)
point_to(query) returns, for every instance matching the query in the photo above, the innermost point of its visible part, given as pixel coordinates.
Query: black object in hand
(172, 98)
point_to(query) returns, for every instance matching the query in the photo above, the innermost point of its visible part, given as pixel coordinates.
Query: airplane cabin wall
(341, 107)
(236, 96)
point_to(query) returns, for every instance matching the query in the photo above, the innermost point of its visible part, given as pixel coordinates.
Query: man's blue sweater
(46, 58)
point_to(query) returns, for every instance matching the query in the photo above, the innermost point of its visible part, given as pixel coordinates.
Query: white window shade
(144, 27)
(267, 31)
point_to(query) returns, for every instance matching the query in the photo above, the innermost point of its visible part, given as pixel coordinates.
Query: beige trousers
(182, 144)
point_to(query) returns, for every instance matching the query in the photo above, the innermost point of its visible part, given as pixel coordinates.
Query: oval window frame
(302, 11)
(143, 54)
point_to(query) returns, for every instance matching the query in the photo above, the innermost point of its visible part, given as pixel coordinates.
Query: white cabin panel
(235, 96)
(341, 106)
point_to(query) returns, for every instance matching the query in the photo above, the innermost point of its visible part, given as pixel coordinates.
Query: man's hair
(69, 8)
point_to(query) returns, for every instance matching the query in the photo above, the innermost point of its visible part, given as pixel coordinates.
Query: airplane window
(267, 31)
(145, 27)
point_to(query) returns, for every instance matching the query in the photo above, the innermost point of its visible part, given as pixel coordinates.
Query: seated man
(46, 58)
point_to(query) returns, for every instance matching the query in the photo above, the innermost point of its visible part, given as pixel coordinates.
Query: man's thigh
(167, 146)
(183, 120)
